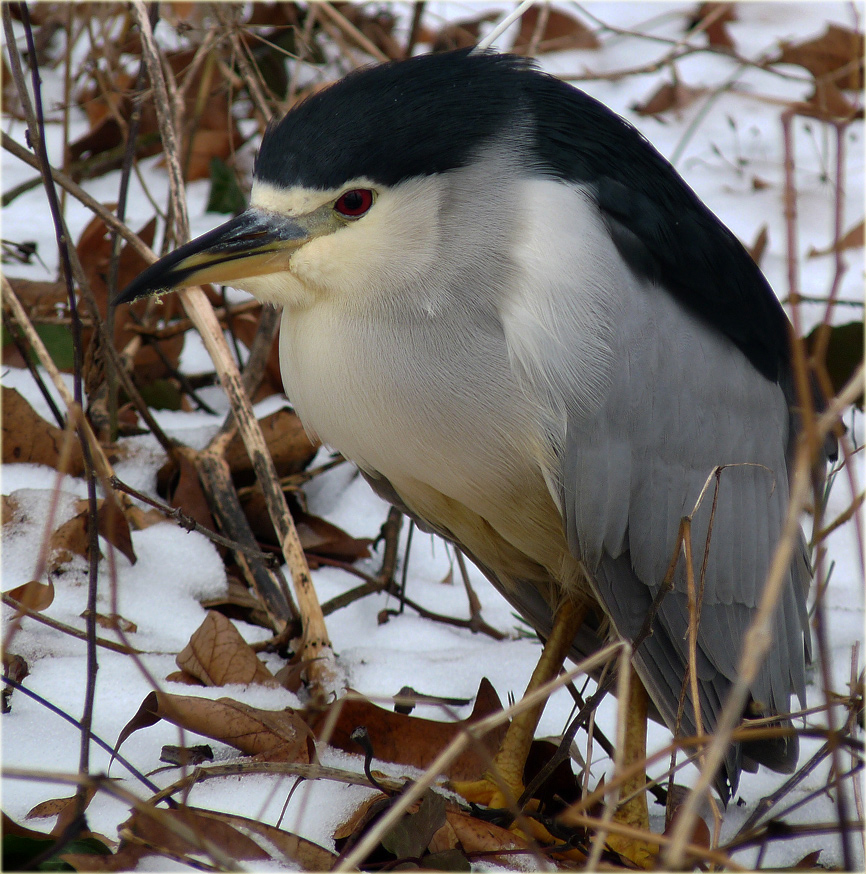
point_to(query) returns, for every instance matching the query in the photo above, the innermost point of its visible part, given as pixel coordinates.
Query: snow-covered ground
(719, 152)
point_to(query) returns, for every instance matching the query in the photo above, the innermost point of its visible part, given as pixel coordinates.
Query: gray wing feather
(671, 400)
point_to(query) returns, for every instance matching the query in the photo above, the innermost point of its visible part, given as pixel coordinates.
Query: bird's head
(354, 190)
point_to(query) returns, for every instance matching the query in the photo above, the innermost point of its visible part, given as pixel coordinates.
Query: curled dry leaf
(270, 735)
(33, 595)
(72, 538)
(217, 655)
(30, 439)
(410, 740)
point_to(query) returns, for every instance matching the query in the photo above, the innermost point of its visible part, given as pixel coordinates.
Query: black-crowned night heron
(530, 335)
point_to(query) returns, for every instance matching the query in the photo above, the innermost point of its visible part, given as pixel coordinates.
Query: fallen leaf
(757, 249)
(33, 595)
(67, 541)
(287, 442)
(179, 481)
(461, 34)
(853, 239)
(410, 740)
(114, 621)
(186, 757)
(476, 836)
(411, 835)
(295, 849)
(666, 98)
(155, 832)
(30, 439)
(113, 527)
(837, 54)
(270, 735)
(829, 104)
(716, 31)
(8, 508)
(15, 668)
(65, 809)
(700, 836)
(561, 32)
(217, 655)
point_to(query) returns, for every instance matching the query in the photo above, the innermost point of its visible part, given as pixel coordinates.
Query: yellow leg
(511, 758)
(634, 812)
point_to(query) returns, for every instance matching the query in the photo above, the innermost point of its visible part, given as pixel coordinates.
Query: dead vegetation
(198, 90)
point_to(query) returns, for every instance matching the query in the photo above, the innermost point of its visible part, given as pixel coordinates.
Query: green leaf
(162, 394)
(225, 193)
(412, 835)
(19, 851)
(844, 352)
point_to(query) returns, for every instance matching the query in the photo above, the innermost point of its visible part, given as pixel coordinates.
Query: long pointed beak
(254, 243)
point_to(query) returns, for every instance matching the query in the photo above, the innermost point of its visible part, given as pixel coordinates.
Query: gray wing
(636, 432)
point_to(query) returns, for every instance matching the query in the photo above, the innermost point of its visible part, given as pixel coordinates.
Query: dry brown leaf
(561, 32)
(114, 621)
(460, 34)
(183, 677)
(113, 527)
(155, 832)
(324, 538)
(180, 482)
(837, 54)
(829, 104)
(94, 248)
(125, 859)
(668, 97)
(270, 735)
(15, 668)
(69, 540)
(30, 439)
(758, 248)
(217, 655)
(39, 298)
(361, 815)
(306, 854)
(207, 103)
(33, 595)
(8, 508)
(65, 809)
(853, 239)
(476, 836)
(410, 740)
(207, 145)
(287, 442)
(716, 30)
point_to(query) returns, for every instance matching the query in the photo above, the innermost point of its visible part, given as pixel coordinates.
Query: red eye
(354, 203)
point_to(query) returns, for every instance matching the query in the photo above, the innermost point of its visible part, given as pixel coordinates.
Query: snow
(161, 592)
